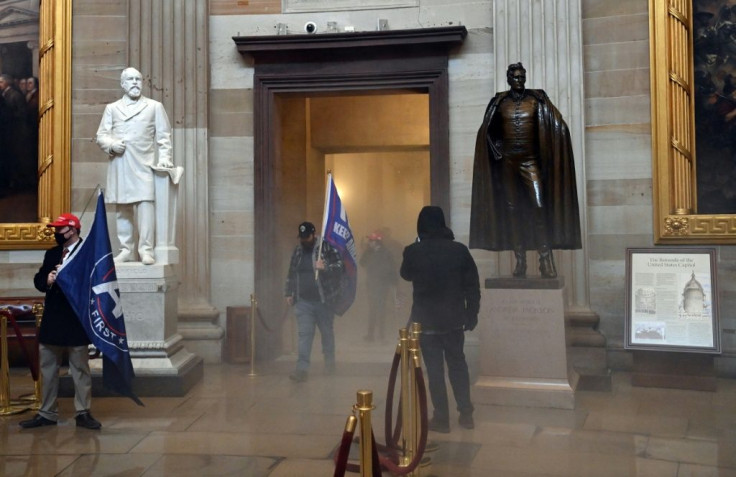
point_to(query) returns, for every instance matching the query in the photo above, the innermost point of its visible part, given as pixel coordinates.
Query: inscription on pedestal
(127, 287)
(523, 357)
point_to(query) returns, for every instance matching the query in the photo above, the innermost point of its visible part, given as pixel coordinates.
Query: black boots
(547, 263)
(520, 270)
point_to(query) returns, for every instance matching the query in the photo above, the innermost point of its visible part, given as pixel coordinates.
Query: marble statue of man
(136, 134)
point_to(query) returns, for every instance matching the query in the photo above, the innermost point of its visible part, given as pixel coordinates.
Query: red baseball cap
(66, 219)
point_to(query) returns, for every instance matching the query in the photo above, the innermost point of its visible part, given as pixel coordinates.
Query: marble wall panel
(621, 110)
(616, 28)
(616, 56)
(23, 256)
(86, 150)
(91, 53)
(607, 8)
(100, 28)
(81, 195)
(102, 78)
(93, 101)
(84, 126)
(620, 219)
(621, 151)
(89, 175)
(229, 223)
(17, 278)
(613, 247)
(82, 8)
(615, 83)
(620, 192)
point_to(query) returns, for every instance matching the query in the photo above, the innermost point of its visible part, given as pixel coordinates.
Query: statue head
(516, 76)
(131, 81)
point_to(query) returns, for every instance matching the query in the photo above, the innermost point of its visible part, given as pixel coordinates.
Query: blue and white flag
(89, 281)
(336, 231)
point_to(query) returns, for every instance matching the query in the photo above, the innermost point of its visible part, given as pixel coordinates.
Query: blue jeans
(311, 315)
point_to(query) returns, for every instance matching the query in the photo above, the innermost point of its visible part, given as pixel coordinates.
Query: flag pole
(325, 213)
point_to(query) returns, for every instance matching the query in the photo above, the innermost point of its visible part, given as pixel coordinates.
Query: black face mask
(60, 239)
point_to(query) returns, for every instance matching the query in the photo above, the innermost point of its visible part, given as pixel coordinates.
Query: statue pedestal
(523, 359)
(163, 367)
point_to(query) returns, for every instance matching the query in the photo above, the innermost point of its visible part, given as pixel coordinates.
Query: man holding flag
(321, 281)
(61, 331)
(82, 305)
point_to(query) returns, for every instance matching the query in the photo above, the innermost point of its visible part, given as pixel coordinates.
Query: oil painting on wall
(714, 61)
(19, 52)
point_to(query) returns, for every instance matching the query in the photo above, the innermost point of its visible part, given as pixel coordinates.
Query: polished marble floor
(235, 424)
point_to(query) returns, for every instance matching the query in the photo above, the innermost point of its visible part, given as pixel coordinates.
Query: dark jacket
(60, 326)
(380, 267)
(444, 277)
(489, 221)
(330, 280)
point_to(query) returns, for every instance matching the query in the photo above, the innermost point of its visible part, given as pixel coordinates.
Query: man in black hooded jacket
(446, 303)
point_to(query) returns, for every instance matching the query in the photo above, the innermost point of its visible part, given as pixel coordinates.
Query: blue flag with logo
(89, 281)
(336, 231)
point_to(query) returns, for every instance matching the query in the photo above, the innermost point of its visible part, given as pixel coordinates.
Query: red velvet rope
(32, 363)
(392, 440)
(341, 457)
(390, 461)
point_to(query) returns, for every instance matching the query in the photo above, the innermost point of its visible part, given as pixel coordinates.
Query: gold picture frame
(54, 162)
(676, 220)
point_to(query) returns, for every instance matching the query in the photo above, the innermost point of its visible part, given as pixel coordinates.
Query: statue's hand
(118, 147)
(167, 164)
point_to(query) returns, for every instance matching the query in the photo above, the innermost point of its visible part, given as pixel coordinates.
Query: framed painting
(672, 300)
(35, 119)
(692, 78)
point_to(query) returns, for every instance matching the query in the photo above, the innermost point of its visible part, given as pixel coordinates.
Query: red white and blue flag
(89, 281)
(336, 231)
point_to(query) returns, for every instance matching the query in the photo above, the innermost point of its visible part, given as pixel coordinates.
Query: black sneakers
(466, 421)
(86, 420)
(437, 425)
(37, 421)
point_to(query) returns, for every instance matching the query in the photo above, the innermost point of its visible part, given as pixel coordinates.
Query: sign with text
(672, 300)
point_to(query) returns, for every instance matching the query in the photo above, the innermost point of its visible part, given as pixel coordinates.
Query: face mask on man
(60, 239)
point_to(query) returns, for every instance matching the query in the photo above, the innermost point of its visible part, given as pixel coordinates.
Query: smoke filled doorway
(291, 73)
(377, 148)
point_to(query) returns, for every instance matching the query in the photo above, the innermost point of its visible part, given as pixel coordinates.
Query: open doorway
(377, 148)
(293, 73)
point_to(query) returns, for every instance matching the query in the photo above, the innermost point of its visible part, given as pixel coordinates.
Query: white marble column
(546, 36)
(169, 44)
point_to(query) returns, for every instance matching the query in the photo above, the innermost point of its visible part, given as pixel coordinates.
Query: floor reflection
(233, 424)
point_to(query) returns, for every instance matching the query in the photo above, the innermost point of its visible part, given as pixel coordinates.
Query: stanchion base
(10, 410)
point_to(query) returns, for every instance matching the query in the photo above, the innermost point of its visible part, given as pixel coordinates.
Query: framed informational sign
(672, 300)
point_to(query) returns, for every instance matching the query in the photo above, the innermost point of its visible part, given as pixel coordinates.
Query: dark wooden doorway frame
(342, 63)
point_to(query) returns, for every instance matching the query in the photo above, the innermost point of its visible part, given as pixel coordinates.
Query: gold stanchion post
(253, 305)
(364, 408)
(5, 408)
(407, 414)
(416, 418)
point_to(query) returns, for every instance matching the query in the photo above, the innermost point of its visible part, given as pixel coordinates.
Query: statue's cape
(490, 226)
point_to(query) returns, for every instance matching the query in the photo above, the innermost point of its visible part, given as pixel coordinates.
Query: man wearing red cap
(61, 332)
